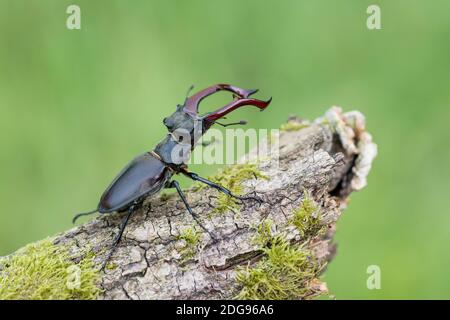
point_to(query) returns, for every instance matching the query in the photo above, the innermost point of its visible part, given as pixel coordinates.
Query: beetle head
(179, 120)
(185, 124)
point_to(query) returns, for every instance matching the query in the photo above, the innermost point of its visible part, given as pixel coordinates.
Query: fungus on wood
(274, 250)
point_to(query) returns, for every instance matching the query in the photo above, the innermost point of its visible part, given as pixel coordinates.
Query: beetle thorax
(184, 132)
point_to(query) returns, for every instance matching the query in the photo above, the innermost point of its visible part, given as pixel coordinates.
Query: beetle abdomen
(144, 175)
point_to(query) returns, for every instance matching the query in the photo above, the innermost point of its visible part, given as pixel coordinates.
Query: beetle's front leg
(176, 185)
(218, 187)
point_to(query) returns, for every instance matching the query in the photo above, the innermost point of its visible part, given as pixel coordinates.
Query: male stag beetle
(152, 171)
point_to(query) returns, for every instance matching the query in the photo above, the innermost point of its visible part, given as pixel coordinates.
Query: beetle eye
(168, 123)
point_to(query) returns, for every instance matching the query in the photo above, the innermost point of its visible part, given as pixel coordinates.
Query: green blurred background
(77, 105)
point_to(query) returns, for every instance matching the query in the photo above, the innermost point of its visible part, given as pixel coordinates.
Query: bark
(327, 159)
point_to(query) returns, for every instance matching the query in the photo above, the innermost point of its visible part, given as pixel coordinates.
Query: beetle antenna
(83, 214)
(188, 92)
(242, 122)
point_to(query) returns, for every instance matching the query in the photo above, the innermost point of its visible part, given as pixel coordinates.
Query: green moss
(111, 266)
(231, 177)
(42, 271)
(191, 239)
(306, 217)
(293, 126)
(263, 235)
(283, 273)
(325, 121)
(165, 196)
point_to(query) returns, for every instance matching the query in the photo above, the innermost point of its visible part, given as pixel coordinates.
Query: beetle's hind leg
(116, 241)
(218, 187)
(176, 185)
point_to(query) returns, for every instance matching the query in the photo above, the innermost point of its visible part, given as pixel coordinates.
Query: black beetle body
(152, 171)
(143, 176)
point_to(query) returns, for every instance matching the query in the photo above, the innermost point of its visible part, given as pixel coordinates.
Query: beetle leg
(116, 241)
(176, 185)
(218, 187)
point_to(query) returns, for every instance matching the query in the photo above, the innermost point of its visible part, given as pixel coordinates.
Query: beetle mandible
(152, 171)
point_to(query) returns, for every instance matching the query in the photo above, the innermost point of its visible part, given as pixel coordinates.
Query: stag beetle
(152, 171)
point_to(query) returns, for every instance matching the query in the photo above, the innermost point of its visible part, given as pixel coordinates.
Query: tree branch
(164, 255)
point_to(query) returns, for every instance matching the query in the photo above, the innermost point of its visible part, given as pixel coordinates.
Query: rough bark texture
(327, 159)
